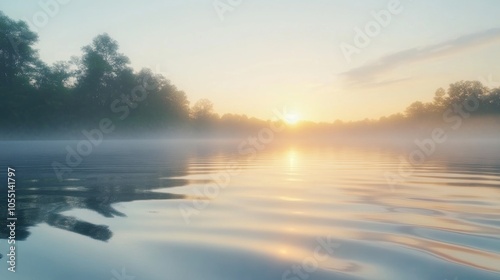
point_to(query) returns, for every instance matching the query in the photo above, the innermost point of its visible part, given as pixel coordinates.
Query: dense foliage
(38, 100)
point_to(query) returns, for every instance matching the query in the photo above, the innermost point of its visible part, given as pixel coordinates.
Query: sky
(321, 60)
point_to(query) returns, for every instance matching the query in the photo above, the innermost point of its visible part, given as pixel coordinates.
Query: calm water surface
(152, 210)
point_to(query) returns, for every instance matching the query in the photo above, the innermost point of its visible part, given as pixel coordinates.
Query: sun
(292, 119)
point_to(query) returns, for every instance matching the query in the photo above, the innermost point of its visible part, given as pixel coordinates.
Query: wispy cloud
(368, 74)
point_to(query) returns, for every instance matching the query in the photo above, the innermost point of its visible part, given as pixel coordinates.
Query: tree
(103, 72)
(203, 109)
(164, 106)
(439, 102)
(18, 59)
(19, 64)
(459, 92)
(491, 102)
(416, 109)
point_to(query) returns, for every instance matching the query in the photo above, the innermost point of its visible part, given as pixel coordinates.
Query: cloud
(367, 74)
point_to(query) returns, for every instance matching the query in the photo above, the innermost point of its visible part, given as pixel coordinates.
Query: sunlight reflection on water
(439, 224)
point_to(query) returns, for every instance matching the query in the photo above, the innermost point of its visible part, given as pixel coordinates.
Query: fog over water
(202, 210)
(113, 171)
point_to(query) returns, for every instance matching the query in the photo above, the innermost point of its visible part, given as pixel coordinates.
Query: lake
(152, 209)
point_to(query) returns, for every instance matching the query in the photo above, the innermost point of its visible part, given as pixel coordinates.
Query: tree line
(38, 100)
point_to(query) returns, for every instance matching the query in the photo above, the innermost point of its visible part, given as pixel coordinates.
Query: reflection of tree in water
(98, 193)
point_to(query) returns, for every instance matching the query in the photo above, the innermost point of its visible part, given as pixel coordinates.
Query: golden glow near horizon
(338, 59)
(292, 118)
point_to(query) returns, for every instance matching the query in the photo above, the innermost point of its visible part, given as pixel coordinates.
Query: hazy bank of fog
(98, 95)
(485, 128)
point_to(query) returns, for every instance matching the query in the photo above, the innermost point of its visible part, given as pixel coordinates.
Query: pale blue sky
(274, 54)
